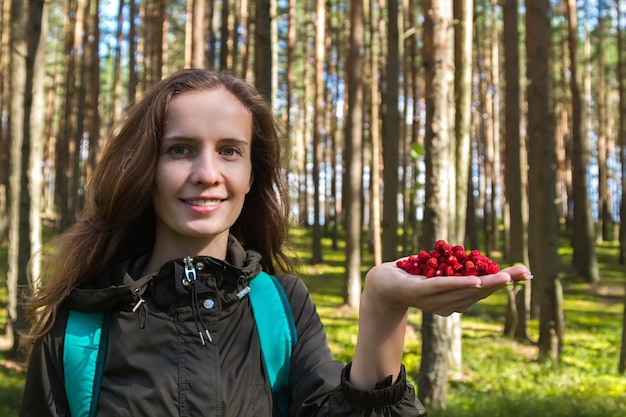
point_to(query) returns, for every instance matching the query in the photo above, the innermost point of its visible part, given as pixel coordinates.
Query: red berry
(432, 263)
(441, 245)
(423, 257)
(474, 253)
(493, 268)
(449, 260)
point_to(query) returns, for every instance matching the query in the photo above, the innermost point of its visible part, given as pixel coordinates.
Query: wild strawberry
(474, 253)
(493, 268)
(423, 257)
(432, 263)
(460, 255)
(441, 245)
(447, 259)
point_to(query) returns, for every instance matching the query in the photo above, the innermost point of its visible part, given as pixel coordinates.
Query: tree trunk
(460, 148)
(263, 49)
(26, 116)
(518, 314)
(199, 34)
(543, 220)
(375, 203)
(391, 138)
(605, 214)
(432, 379)
(318, 126)
(464, 14)
(353, 149)
(621, 79)
(133, 79)
(64, 196)
(5, 171)
(584, 258)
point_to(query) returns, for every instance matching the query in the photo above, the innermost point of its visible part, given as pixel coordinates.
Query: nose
(205, 169)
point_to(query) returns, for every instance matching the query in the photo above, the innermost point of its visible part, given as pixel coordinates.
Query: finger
(518, 273)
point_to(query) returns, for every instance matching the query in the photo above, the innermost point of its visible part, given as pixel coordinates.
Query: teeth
(203, 203)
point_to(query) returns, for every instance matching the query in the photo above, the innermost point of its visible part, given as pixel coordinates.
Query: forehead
(217, 108)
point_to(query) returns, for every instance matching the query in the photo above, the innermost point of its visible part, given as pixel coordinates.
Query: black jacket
(156, 364)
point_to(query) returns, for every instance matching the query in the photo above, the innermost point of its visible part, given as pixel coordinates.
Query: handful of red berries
(448, 260)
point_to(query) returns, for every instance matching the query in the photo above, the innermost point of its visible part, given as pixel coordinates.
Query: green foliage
(501, 377)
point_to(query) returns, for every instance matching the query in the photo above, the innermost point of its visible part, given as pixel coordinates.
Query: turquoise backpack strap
(83, 357)
(277, 333)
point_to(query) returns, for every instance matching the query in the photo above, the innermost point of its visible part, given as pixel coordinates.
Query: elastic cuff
(384, 394)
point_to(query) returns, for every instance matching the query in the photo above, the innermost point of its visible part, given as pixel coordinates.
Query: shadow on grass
(12, 377)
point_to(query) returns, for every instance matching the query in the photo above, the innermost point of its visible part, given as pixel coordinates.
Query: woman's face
(203, 173)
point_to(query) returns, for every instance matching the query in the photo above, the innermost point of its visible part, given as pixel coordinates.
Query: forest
(500, 125)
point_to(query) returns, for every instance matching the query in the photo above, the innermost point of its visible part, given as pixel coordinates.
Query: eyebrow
(190, 138)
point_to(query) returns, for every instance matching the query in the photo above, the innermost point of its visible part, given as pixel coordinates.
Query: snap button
(200, 266)
(208, 304)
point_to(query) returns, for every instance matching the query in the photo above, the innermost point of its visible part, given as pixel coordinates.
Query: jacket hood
(119, 286)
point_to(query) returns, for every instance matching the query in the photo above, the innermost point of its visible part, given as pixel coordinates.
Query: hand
(399, 290)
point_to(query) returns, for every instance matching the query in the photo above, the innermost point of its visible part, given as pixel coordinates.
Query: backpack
(86, 334)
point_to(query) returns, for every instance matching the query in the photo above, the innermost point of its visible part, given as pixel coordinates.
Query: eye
(230, 151)
(178, 150)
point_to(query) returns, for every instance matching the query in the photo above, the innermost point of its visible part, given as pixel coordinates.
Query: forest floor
(500, 377)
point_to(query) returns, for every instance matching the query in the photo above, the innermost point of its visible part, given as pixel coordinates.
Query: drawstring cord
(190, 275)
(141, 307)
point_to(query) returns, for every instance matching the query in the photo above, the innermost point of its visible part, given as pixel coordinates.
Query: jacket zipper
(191, 276)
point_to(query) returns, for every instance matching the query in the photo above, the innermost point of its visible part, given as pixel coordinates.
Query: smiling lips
(203, 202)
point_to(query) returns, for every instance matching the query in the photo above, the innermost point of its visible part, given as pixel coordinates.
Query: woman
(193, 179)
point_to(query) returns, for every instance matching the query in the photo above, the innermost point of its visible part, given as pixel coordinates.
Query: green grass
(501, 377)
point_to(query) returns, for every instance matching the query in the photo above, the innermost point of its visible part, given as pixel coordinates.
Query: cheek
(166, 179)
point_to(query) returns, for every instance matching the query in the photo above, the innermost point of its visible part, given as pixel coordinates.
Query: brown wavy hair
(118, 217)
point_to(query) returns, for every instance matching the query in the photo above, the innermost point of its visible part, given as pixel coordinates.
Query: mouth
(202, 202)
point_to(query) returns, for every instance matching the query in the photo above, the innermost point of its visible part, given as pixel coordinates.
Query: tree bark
(263, 49)
(26, 116)
(621, 79)
(584, 258)
(391, 138)
(543, 220)
(353, 148)
(432, 379)
(374, 97)
(318, 126)
(518, 313)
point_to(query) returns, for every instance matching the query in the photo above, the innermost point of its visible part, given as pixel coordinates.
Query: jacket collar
(118, 286)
